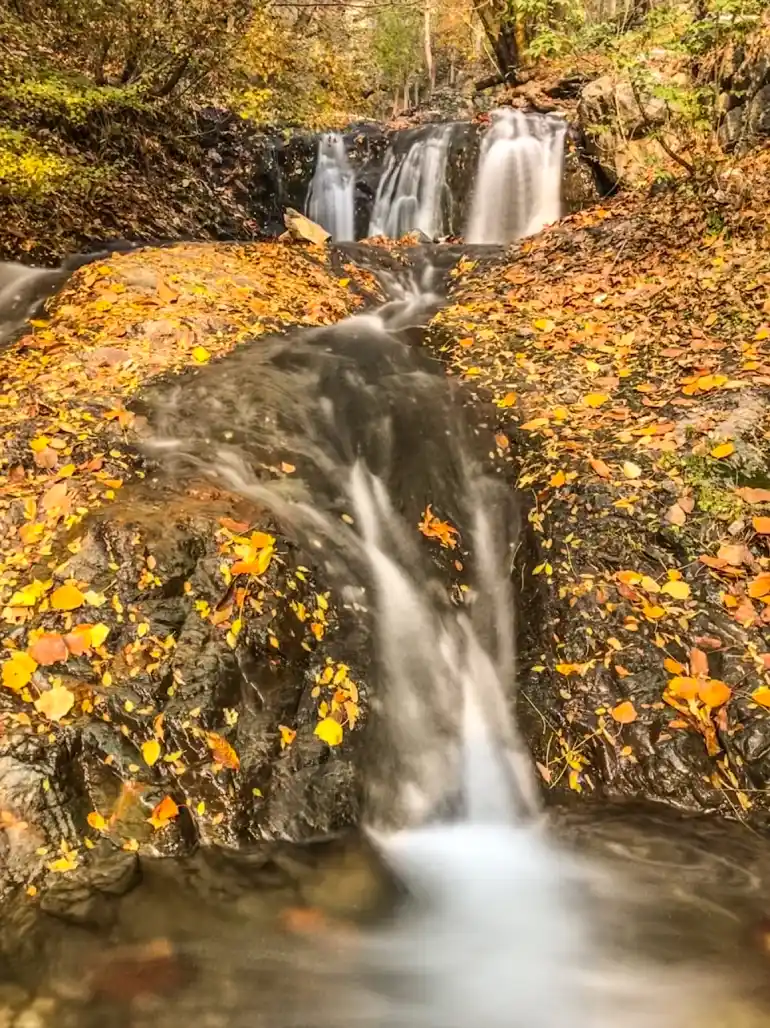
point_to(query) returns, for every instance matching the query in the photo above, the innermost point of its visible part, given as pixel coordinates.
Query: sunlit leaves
(222, 752)
(67, 597)
(17, 671)
(624, 713)
(723, 450)
(55, 703)
(163, 813)
(433, 527)
(330, 731)
(150, 751)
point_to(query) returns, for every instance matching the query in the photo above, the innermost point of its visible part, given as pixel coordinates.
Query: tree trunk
(501, 33)
(430, 66)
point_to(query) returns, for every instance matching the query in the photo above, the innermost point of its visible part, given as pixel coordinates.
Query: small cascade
(330, 200)
(518, 182)
(411, 190)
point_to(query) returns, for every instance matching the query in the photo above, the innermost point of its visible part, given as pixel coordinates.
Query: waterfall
(518, 182)
(331, 198)
(411, 190)
(496, 926)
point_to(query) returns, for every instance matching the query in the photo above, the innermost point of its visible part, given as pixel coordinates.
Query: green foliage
(396, 44)
(30, 171)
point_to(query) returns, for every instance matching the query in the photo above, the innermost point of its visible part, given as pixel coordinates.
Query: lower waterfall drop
(518, 183)
(330, 200)
(411, 189)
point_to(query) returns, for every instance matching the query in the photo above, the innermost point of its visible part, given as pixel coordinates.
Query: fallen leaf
(760, 586)
(602, 470)
(55, 702)
(624, 713)
(222, 751)
(164, 812)
(288, 735)
(150, 751)
(631, 470)
(714, 693)
(762, 696)
(97, 822)
(683, 686)
(55, 497)
(677, 590)
(18, 670)
(674, 666)
(330, 731)
(761, 525)
(595, 399)
(699, 662)
(49, 648)
(201, 355)
(675, 515)
(734, 554)
(754, 495)
(558, 480)
(67, 597)
(723, 450)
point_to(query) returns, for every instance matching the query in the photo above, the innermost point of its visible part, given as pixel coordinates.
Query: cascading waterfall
(331, 199)
(411, 190)
(518, 183)
(497, 929)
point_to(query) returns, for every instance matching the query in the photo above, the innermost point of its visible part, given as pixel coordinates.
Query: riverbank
(625, 351)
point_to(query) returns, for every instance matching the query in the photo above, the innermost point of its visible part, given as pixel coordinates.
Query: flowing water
(518, 184)
(514, 185)
(411, 190)
(331, 196)
(497, 923)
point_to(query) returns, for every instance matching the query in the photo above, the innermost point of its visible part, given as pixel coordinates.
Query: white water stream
(331, 197)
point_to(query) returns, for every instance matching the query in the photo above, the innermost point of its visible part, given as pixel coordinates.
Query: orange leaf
(222, 751)
(55, 497)
(674, 666)
(760, 586)
(699, 662)
(675, 515)
(601, 469)
(67, 597)
(78, 641)
(714, 693)
(502, 441)
(164, 812)
(49, 648)
(595, 399)
(624, 713)
(557, 480)
(234, 526)
(761, 525)
(734, 553)
(684, 687)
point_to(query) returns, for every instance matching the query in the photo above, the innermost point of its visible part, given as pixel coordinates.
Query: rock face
(743, 73)
(616, 119)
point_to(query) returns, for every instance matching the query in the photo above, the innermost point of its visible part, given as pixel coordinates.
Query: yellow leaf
(544, 325)
(557, 480)
(649, 584)
(96, 821)
(222, 751)
(595, 399)
(631, 470)
(55, 703)
(67, 597)
(678, 590)
(29, 595)
(507, 401)
(288, 735)
(653, 611)
(98, 634)
(18, 671)
(150, 751)
(330, 731)
(201, 354)
(723, 450)
(762, 696)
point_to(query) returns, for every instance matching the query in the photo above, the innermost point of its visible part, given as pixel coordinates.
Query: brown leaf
(734, 554)
(675, 515)
(754, 495)
(55, 497)
(708, 642)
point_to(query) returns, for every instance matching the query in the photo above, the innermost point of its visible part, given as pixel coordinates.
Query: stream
(459, 898)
